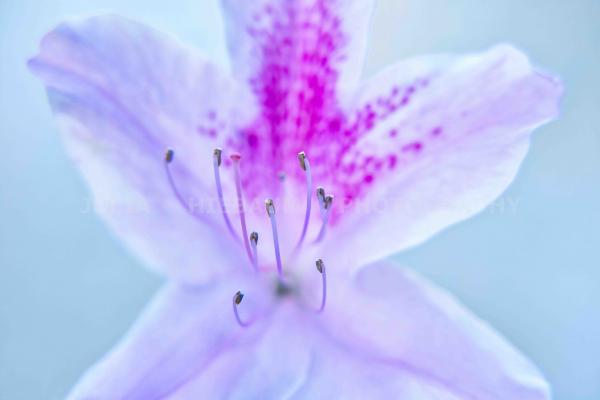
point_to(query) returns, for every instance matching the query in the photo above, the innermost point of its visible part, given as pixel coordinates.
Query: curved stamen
(327, 203)
(238, 188)
(216, 164)
(271, 212)
(321, 198)
(253, 244)
(169, 156)
(237, 299)
(305, 165)
(321, 269)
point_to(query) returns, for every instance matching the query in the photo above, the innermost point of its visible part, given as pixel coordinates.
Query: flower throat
(250, 241)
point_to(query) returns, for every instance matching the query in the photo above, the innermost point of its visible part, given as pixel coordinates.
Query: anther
(320, 195)
(302, 159)
(217, 156)
(328, 201)
(305, 165)
(169, 157)
(321, 268)
(253, 244)
(216, 164)
(238, 188)
(270, 207)
(237, 299)
(327, 204)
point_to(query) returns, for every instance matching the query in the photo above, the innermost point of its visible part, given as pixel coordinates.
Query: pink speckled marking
(301, 47)
(211, 126)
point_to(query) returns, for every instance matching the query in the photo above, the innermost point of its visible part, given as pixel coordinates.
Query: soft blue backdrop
(529, 264)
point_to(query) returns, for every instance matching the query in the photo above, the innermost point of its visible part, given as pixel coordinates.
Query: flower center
(250, 241)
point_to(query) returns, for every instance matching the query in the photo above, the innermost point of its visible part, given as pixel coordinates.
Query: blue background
(529, 264)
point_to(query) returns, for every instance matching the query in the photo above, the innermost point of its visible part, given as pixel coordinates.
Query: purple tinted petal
(298, 58)
(391, 316)
(180, 334)
(446, 136)
(123, 94)
(330, 34)
(273, 367)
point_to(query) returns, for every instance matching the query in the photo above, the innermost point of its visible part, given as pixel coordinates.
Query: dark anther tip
(169, 155)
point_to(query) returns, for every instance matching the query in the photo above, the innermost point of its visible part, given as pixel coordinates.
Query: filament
(216, 164)
(305, 165)
(271, 212)
(321, 198)
(237, 299)
(169, 156)
(327, 203)
(253, 244)
(238, 188)
(321, 268)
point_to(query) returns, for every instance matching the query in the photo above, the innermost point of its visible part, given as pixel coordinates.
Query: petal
(436, 140)
(181, 333)
(272, 367)
(329, 33)
(123, 94)
(298, 58)
(393, 317)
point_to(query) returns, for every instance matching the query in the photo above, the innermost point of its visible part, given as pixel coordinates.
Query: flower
(180, 155)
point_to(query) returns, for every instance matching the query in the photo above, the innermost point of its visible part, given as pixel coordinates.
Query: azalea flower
(290, 297)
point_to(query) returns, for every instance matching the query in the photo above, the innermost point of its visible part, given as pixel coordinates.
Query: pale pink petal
(273, 367)
(123, 94)
(303, 34)
(434, 141)
(392, 317)
(179, 335)
(298, 58)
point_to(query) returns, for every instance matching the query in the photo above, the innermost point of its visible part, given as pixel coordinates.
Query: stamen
(321, 269)
(169, 156)
(216, 164)
(237, 299)
(321, 196)
(253, 244)
(327, 204)
(238, 188)
(271, 212)
(305, 165)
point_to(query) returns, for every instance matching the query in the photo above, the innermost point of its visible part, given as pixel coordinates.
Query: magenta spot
(252, 140)
(393, 133)
(368, 179)
(392, 160)
(414, 147)
(437, 131)
(335, 125)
